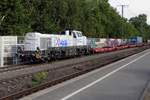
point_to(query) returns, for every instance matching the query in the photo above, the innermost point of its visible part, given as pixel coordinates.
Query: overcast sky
(134, 8)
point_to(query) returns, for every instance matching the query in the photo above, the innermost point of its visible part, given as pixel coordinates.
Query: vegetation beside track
(38, 78)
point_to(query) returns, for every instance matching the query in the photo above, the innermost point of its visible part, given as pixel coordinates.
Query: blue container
(135, 40)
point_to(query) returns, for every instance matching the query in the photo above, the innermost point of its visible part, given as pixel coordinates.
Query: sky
(134, 8)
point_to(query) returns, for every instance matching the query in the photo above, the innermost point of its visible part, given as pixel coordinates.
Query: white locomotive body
(54, 46)
(45, 41)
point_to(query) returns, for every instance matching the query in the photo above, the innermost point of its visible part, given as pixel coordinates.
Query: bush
(38, 78)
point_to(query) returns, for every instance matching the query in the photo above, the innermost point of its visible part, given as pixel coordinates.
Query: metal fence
(8, 49)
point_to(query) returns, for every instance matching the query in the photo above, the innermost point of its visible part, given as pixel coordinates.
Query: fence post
(1, 51)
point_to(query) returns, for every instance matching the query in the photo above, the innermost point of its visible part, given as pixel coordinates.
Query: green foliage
(140, 23)
(38, 78)
(96, 18)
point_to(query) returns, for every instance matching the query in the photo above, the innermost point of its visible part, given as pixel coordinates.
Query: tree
(140, 23)
(95, 19)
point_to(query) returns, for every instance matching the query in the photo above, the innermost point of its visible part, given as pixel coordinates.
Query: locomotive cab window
(79, 34)
(74, 35)
(70, 33)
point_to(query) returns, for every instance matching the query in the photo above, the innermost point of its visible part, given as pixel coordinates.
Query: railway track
(59, 74)
(21, 66)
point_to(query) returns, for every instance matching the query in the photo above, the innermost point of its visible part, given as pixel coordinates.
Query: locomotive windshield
(79, 34)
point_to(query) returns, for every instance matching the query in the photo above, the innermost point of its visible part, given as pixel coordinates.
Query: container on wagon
(136, 40)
